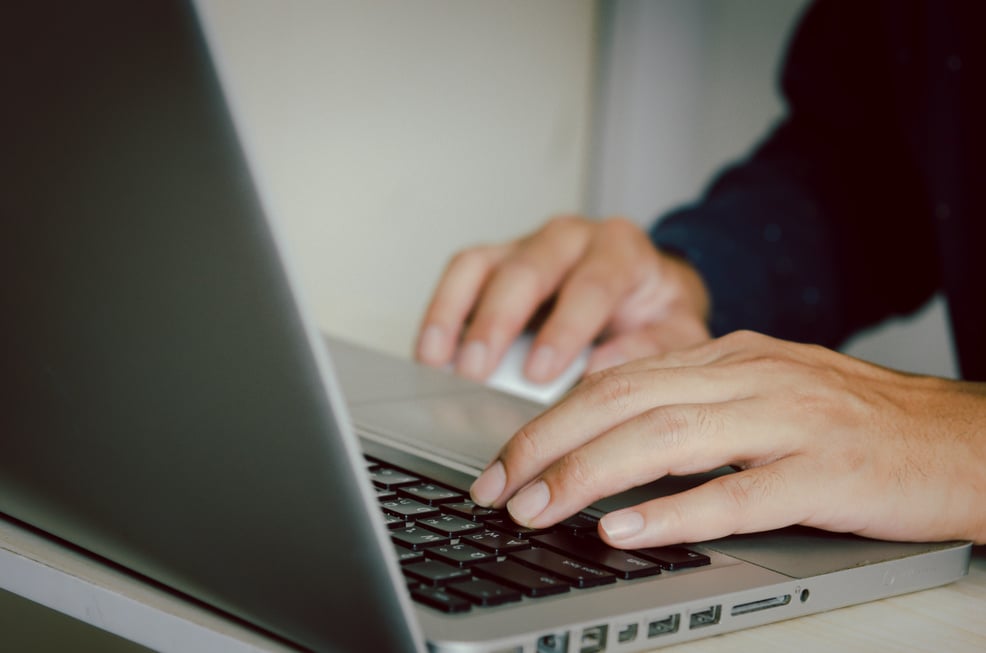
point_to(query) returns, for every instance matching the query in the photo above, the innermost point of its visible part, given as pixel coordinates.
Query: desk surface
(949, 618)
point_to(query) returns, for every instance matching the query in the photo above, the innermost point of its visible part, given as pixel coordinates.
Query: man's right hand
(602, 282)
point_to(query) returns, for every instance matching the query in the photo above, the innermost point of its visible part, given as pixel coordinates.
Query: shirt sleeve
(823, 230)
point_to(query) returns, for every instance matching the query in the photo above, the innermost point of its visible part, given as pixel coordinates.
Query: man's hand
(595, 280)
(821, 439)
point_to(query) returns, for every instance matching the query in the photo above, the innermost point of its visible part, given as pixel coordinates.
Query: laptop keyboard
(457, 555)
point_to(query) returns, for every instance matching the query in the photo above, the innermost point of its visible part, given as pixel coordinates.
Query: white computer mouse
(509, 375)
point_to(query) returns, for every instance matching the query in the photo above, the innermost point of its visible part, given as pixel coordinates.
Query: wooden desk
(949, 618)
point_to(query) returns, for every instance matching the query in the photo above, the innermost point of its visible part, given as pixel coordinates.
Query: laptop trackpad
(466, 427)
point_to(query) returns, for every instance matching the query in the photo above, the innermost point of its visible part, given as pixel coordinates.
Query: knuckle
(613, 391)
(619, 226)
(595, 283)
(564, 223)
(743, 339)
(523, 272)
(667, 427)
(469, 257)
(525, 445)
(745, 489)
(576, 472)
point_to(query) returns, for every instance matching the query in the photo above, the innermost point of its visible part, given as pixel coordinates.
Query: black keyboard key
(460, 555)
(409, 508)
(485, 592)
(440, 599)
(469, 510)
(576, 572)
(514, 529)
(593, 550)
(393, 521)
(417, 538)
(391, 479)
(384, 494)
(579, 524)
(532, 582)
(496, 542)
(407, 556)
(450, 525)
(673, 557)
(429, 493)
(435, 573)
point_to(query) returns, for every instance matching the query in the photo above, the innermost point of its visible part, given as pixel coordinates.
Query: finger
(674, 335)
(515, 290)
(758, 499)
(676, 440)
(587, 300)
(456, 293)
(596, 406)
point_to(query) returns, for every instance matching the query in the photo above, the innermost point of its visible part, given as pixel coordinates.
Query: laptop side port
(593, 639)
(762, 604)
(707, 617)
(627, 634)
(557, 643)
(664, 626)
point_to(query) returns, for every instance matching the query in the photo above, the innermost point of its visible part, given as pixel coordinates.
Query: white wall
(388, 134)
(686, 85)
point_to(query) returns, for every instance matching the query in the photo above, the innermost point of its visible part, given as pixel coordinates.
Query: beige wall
(388, 134)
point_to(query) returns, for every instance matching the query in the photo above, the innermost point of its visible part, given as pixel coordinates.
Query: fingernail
(472, 362)
(529, 502)
(431, 346)
(622, 525)
(489, 486)
(542, 363)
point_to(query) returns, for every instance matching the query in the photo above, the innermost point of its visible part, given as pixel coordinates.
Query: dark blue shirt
(866, 199)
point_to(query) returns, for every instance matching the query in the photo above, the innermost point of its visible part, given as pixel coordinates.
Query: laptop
(169, 406)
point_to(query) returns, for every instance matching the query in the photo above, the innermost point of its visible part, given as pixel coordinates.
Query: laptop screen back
(162, 406)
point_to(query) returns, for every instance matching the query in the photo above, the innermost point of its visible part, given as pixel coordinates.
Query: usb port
(664, 626)
(593, 640)
(706, 617)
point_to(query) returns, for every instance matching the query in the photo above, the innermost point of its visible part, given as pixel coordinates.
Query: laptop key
(514, 529)
(496, 542)
(673, 557)
(440, 599)
(485, 592)
(532, 582)
(384, 494)
(416, 538)
(434, 573)
(460, 555)
(469, 510)
(409, 508)
(574, 571)
(391, 479)
(579, 524)
(593, 550)
(407, 556)
(393, 521)
(450, 525)
(429, 493)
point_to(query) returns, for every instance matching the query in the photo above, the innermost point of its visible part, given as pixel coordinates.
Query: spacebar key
(574, 571)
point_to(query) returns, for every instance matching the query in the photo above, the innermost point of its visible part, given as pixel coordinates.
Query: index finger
(598, 405)
(454, 297)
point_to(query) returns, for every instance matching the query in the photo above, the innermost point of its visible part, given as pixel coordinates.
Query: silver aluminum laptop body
(169, 408)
